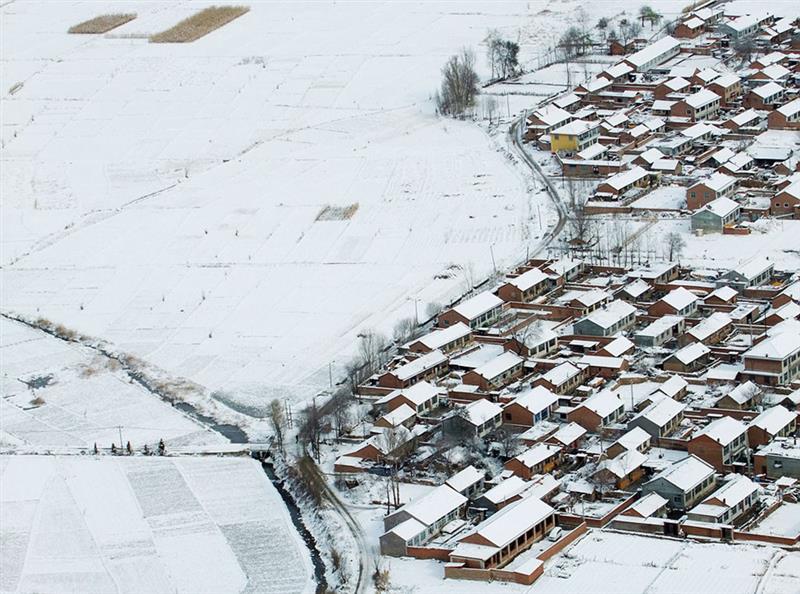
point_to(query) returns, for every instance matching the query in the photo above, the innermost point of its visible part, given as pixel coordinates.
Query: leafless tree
(311, 429)
(432, 309)
(371, 349)
(459, 85)
(277, 420)
(404, 330)
(508, 442)
(339, 406)
(674, 244)
(744, 48)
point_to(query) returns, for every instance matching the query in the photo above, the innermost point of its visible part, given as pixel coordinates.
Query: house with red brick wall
(678, 302)
(539, 459)
(480, 310)
(689, 29)
(721, 443)
(701, 105)
(776, 421)
(786, 117)
(709, 189)
(766, 97)
(530, 407)
(601, 409)
(728, 87)
(786, 203)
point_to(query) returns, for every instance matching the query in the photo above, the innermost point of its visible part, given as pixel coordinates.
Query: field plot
(146, 525)
(83, 399)
(101, 24)
(200, 24)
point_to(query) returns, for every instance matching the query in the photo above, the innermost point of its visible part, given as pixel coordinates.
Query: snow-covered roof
(746, 117)
(537, 454)
(754, 268)
(722, 155)
(561, 373)
(620, 180)
(672, 386)
(566, 100)
(743, 392)
(677, 83)
(465, 478)
(717, 182)
(790, 108)
(743, 22)
(439, 338)
(535, 399)
(726, 80)
(611, 313)
(708, 326)
(399, 415)
(617, 70)
(624, 464)
(687, 473)
(648, 505)
(551, 114)
(603, 403)
(513, 520)
(771, 58)
(701, 129)
(663, 104)
(592, 297)
(724, 293)
(435, 504)
(691, 352)
(775, 71)
(419, 393)
(528, 279)
(736, 489)
(618, 346)
(568, 433)
(722, 206)
(601, 361)
(662, 411)
(701, 98)
(653, 51)
(506, 489)
(651, 155)
(659, 325)
(480, 411)
(498, 365)
(592, 151)
(634, 439)
(468, 550)
(778, 347)
(723, 430)
(774, 419)
(408, 529)
(768, 90)
(419, 365)
(576, 127)
(679, 298)
(478, 305)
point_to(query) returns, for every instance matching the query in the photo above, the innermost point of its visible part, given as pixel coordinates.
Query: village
(586, 390)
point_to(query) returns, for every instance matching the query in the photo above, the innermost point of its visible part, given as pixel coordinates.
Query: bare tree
(674, 244)
(339, 406)
(744, 48)
(371, 349)
(459, 85)
(311, 429)
(277, 420)
(404, 330)
(432, 309)
(508, 442)
(503, 55)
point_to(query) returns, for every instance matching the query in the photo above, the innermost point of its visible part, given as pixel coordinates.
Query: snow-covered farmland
(84, 524)
(54, 393)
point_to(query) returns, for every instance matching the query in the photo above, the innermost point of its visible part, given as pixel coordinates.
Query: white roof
(566, 100)
(653, 51)
(725, 293)
(535, 399)
(551, 114)
(592, 151)
(652, 155)
(723, 430)
(778, 346)
(773, 419)
(611, 313)
(790, 108)
(576, 127)
(465, 478)
(592, 297)
(701, 98)
(480, 411)
(776, 71)
(713, 323)
(679, 298)
(478, 305)
(399, 415)
(625, 178)
(743, 392)
(439, 338)
(753, 268)
(508, 488)
(722, 155)
(743, 22)
(528, 279)
(624, 463)
(746, 117)
(513, 520)
(435, 504)
(603, 403)
(736, 489)
(700, 129)
(718, 181)
(618, 346)
(498, 365)
(601, 361)
(620, 69)
(419, 393)
(662, 411)
(560, 373)
(408, 529)
(726, 80)
(633, 439)
(468, 550)
(767, 90)
(722, 206)
(687, 473)
(677, 83)
(538, 454)
(663, 105)
(568, 433)
(648, 505)
(771, 58)
(672, 386)
(691, 352)
(419, 365)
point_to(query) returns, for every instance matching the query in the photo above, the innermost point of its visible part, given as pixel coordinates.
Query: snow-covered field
(616, 562)
(108, 524)
(86, 400)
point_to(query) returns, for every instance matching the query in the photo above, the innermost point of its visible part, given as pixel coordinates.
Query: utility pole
(491, 251)
(119, 427)
(330, 375)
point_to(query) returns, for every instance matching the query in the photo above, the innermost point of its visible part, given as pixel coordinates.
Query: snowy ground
(87, 399)
(83, 524)
(614, 562)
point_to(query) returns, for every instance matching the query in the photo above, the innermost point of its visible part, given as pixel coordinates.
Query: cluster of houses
(688, 123)
(666, 395)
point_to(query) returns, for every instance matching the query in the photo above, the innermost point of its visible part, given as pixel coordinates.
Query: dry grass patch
(102, 23)
(337, 213)
(200, 24)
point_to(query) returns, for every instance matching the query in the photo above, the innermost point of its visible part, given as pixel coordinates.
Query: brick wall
(429, 553)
